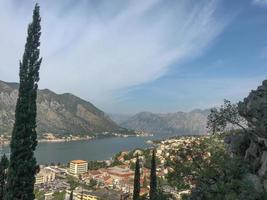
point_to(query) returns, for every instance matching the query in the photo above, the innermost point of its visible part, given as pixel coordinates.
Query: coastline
(5, 142)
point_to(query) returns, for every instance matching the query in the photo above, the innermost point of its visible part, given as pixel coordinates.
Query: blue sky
(127, 56)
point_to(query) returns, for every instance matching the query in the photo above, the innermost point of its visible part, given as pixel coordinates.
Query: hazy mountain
(193, 122)
(57, 113)
(119, 118)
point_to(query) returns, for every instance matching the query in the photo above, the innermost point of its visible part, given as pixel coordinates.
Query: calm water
(98, 149)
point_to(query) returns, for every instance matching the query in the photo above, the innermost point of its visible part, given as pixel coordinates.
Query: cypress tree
(145, 184)
(71, 195)
(82, 195)
(153, 178)
(136, 192)
(3, 169)
(23, 166)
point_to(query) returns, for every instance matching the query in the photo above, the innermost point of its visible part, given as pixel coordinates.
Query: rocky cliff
(251, 144)
(57, 113)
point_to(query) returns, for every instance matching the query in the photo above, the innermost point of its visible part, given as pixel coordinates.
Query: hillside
(61, 114)
(193, 122)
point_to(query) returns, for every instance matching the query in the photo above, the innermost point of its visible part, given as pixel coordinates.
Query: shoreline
(63, 140)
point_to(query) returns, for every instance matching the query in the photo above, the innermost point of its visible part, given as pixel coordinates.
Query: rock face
(58, 114)
(254, 110)
(193, 122)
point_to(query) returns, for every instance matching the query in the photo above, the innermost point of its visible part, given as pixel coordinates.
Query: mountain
(119, 118)
(61, 114)
(193, 122)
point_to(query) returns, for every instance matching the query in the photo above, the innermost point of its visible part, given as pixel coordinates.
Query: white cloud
(260, 2)
(93, 48)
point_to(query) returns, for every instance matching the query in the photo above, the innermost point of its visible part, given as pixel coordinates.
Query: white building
(45, 176)
(78, 167)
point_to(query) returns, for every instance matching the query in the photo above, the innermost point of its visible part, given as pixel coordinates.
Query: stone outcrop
(252, 145)
(254, 110)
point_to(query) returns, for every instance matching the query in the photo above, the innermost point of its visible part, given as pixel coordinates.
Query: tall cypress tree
(153, 178)
(136, 192)
(82, 194)
(3, 170)
(23, 166)
(71, 195)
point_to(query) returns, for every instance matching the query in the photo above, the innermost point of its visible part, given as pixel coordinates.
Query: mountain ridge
(192, 122)
(61, 114)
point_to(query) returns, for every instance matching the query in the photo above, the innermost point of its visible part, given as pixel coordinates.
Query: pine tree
(153, 178)
(136, 192)
(23, 166)
(3, 169)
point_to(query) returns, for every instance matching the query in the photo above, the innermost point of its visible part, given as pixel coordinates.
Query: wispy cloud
(260, 2)
(94, 48)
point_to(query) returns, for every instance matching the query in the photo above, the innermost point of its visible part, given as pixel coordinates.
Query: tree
(71, 195)
(227, 114)
(136, 192)
(23, 166)
(153, 177)
(40, 195)
(73, 184)
(57, 195)
(3, 169)
(204, 167)
(82, 195)
(145, 184)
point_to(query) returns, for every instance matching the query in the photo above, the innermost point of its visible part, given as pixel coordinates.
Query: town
(109, 179)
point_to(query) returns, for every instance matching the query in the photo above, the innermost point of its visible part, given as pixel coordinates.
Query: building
(78, 167)
(82, 194)
(120, 173)
(45, 176)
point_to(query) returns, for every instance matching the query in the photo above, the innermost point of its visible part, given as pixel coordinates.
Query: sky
(127, 56)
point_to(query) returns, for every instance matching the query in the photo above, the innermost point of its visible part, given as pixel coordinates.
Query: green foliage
(153, 177)
(132, 165)
(136, 192)
(189, 161)
(23, 166)
(205, 165)
(3, 172)
(163, 196)
(127, 157)
(92, 184)
(71, 195)
(228, 113)
(73, 182)
(148, 159)
(59, 195)
(94, 165)
(39, 194)
(116, 163)
(116, 160)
